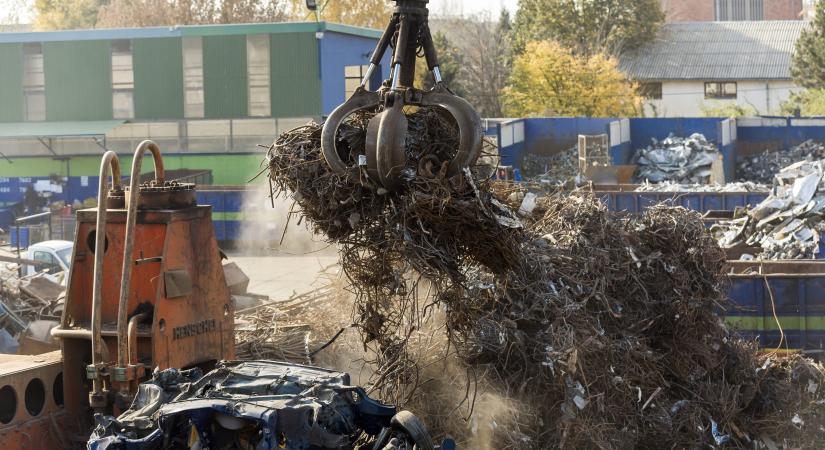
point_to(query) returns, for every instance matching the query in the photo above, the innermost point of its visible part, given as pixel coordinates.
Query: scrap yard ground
(280, 276)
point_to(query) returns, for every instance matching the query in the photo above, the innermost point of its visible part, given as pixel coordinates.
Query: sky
(469, 7)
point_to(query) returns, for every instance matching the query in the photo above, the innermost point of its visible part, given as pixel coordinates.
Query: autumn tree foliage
(65, 14)
(146, 13)
(549, 80)
(77, 14)
(360, 13)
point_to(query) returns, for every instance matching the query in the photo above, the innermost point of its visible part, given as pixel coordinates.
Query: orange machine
(150, 294)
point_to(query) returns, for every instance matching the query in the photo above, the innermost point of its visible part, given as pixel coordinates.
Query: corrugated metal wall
(78, 80)
(224, 77)
(158, 70)
(294, 75)
(11, 82)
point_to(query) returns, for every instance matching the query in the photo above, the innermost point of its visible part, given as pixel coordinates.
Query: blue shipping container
(782, 303)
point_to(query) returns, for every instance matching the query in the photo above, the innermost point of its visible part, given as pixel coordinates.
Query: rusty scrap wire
(291, 329)
(600, 328)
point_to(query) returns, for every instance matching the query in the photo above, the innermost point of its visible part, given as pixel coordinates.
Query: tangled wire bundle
(601, 328)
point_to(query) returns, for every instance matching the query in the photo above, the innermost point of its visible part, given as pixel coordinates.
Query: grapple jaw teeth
(385, 150)
(361, 100)
(467, 120)
(390, 155)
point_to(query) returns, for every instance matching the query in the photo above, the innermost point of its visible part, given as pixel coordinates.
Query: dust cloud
(268, 228)
(452, 399)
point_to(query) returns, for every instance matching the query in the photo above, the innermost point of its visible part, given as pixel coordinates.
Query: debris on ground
(287, 330)
(256, 405)
(787, 224)
(677, 159)
(763, 167)
(669, 186)
(29, 308)
(590, 328)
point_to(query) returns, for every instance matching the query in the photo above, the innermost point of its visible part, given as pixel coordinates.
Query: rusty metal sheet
(178, 283)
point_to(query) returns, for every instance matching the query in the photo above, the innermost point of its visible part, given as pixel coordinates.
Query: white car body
(56, 257)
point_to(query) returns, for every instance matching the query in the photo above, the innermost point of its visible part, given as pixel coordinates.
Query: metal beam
(100, 144)
(47, 145)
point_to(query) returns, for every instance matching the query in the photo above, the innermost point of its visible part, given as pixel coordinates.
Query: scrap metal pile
(669, 186)
(555, 169)
(600, 329)
(763, 167)
(291, 329)
(29, 308)
(254, 405)
(676, 159)
(787, 224)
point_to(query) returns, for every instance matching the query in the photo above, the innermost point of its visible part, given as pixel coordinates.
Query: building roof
(188, 30)
(759, 50)
(17, 130)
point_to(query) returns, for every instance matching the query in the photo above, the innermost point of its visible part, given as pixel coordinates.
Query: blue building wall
(338, 51)
(795, 300)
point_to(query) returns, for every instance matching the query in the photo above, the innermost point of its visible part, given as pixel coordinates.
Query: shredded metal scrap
(555, 169)
(763, 167)
(669, 186)
(681, 160)
(787, 224)
(601, 329)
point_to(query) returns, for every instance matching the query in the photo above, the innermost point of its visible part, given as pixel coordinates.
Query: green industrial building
(208, 95)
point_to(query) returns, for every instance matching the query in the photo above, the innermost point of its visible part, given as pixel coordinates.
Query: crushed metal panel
(177, 282)
(286, 406)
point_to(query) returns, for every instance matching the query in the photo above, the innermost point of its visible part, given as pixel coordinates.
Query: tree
(450, 61)
(808, 65)
(14, 12)
(360, 13)
(549, 80)
(65, 14)
(487, 62)
(588, 26)
(483, 47)
(810, 102)
(144, 13)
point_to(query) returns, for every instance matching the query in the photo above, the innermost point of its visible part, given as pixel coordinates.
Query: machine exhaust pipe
(129, 244)
(111, 164)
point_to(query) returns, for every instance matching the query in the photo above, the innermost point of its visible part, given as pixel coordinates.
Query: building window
(717, 90)
(352, 78)
(651, 90)
(739, 10)
(34, 83)
(193, 77)
(123, 80)
(257, 61)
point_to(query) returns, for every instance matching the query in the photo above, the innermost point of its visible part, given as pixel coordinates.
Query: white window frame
(34, 83)
(258, 77)
(193, 98)
(123, 80)
(353, 75)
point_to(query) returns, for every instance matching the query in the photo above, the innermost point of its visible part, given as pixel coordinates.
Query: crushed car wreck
(257, 405)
